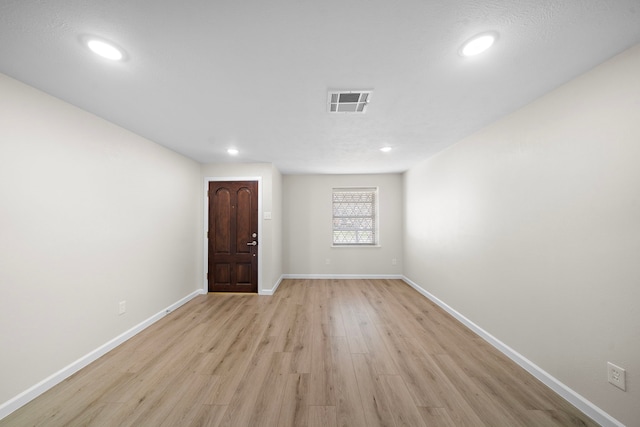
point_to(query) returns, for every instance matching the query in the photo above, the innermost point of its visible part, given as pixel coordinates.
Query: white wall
(307, 231)
(277, 225)
(90, 214)
(270, 261)
(531, 229)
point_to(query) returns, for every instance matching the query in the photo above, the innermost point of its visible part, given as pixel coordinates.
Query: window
(355, 216)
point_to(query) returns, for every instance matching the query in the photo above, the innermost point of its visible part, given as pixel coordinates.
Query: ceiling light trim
(104, 48)
(478, 44)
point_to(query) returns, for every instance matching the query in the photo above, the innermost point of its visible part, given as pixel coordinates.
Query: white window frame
(376, 219)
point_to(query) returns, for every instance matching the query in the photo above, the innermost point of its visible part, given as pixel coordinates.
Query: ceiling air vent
(349, 101)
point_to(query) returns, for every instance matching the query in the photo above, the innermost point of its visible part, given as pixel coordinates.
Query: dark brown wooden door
(233, 236)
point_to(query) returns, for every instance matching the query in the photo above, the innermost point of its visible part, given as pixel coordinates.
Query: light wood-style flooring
(318, 353)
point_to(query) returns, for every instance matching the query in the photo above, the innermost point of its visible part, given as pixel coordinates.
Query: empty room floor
(317, 353)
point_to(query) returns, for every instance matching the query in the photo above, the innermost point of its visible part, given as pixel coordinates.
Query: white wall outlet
(616, 376)
(122, 307)
(327, 261)
(394, 261)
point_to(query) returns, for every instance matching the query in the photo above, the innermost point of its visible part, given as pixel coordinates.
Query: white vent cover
(348, 101)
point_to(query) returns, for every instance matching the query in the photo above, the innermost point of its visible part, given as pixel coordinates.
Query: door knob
(254, 243)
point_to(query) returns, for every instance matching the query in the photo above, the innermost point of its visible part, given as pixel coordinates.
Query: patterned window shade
(354, 216)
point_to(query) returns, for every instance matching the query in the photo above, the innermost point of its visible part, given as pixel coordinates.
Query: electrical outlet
(616, 376)
(394, 261)
(122, 307)
(327, 261)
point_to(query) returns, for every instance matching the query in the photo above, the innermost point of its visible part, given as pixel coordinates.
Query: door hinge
(207, 276)
(207, 234)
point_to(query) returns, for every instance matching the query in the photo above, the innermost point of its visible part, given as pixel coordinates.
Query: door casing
(207, 180)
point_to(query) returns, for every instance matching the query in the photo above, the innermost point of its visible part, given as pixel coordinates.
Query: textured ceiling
(203, 75)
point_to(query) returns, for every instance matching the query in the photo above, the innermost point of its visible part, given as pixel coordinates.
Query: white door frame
(207, 180)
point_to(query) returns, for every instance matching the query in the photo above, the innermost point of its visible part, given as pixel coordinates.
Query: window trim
(376, 213)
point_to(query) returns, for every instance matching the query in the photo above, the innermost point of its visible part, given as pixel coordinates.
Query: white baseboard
(588, 408)
(28, 395)
(272, 290)
(326, 276)
(342, 276)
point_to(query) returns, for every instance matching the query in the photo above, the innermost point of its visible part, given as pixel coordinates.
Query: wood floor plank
(268, 407)
(281, 325)
(319, 353)
(295, 402)
(149, 385)
(436, 417)
(352, 330)
(236, 332)
(396, 310)
(322, 416)
(233, 364)
(168, 406)
(422, 381)
(243, 397)
(376, 348)
(320, 376)
(106, 417)
(335, 317)
(208, 416)
(349, 309)
(349, 408)
(49, 410)
(562, 419)
(192, 393)
(462, 413)
(153, 398)
(298, 339)
(405, 413)
(510, 397)
(487, 409)
(322, 384)
(376, 406)
(279, 321)
(319, 299)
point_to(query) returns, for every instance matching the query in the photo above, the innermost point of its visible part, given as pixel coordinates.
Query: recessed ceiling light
(478, 44)
(385, 149)
(232, 151)
(105, 49)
